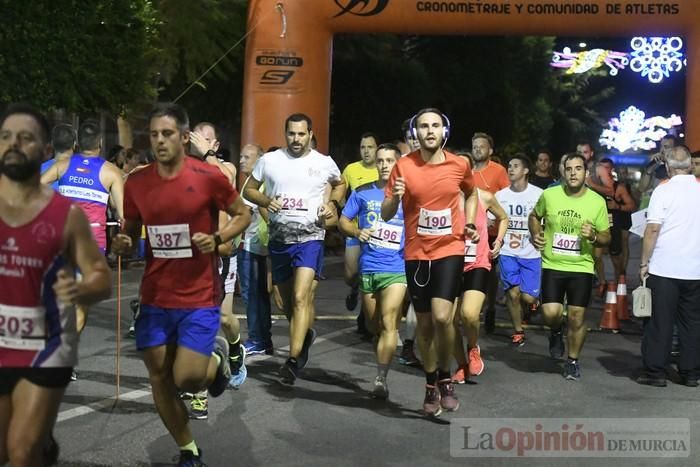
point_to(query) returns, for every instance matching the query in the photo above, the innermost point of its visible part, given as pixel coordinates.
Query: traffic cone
(623, 313)
(608, 319)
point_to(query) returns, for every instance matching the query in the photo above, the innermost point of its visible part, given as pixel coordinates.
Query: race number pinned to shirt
(22, 328)
(568, 245)
(518, 232)
(386, 236)
(469, 251)
(170, 241)
(435, 222)
(293, 205)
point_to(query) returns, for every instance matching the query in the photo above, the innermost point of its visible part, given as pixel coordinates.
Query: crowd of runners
(431, 232)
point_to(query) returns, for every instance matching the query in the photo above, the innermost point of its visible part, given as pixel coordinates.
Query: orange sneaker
(476, 364)
(461, 375)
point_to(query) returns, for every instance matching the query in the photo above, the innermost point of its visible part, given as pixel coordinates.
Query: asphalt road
(327, 418)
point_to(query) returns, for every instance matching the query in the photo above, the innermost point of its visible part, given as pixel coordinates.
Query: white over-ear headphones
(445, 123)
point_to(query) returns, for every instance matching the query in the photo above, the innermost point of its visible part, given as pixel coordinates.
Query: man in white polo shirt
(671, 263)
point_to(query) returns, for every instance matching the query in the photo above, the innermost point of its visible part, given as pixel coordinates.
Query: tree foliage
(75, 55)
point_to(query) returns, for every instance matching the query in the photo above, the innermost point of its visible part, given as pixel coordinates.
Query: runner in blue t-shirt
(382, 267)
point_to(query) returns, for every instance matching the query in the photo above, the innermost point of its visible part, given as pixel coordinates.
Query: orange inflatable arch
(289, 47)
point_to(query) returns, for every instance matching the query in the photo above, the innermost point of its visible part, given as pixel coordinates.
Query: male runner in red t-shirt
(428, 183)
(178, 200)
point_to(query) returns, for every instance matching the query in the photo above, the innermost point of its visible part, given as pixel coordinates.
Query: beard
(21, 171)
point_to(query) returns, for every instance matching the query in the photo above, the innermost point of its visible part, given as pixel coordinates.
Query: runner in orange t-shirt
(428, 183)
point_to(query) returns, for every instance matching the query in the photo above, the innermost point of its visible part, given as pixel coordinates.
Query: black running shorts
(440, 278)
(44, 377)
(575, 285)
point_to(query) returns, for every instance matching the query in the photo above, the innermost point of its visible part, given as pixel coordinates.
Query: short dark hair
(201, 125)
(390, 147)
(695, 154)
(63, 137)
(89, 135)
(586, 143)
(522, 158)
(369, 134)
(298, 117)
(606, 160)
(174, 111)
(428, 110)
(485, 136)
(545, 151)
(26, 109)
(132, 153)
(406, 127)
(574, 155)
(114, 152)
(671, 137)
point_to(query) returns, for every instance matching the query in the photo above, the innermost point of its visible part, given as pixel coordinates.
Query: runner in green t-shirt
(576, 220)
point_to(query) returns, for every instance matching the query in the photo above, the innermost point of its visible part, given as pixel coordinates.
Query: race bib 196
(435, 222)
(569, 245)
(386, 236)
(293, 205)
(22, 328)
(170, 241)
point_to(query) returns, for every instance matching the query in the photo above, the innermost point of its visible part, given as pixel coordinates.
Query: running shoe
(199, 408)
(476, 364)
(448, 399)
(461, 375)
(135, 308)
(73, 376)
(572, 370)
(185, 396)
(408, 355)
(239, 372)
(254, 347)
(431, 403)
(188, 459)
(223, 371)
(380, 390)
(518, 339)
(309, 339)
(288, 373)
(351, 299)
(556, 344)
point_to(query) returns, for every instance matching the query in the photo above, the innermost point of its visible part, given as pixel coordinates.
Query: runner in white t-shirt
(295, 180)
(521, 263)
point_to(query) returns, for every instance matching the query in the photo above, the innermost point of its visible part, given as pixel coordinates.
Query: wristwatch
(217, 239)
(470, 226)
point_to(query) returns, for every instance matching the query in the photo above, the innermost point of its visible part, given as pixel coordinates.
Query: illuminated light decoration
(633, 131)
(581, 62)
(656, 57)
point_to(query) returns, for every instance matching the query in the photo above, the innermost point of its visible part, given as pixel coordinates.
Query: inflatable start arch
(289, 49)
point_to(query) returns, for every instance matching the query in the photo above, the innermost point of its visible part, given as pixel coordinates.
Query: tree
(77, 56)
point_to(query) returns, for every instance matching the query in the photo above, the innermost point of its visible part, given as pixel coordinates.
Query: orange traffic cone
(608, 319)
(623, 312)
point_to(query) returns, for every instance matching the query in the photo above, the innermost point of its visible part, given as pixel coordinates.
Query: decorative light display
(634, 131)
(581, 62)
(656, 57)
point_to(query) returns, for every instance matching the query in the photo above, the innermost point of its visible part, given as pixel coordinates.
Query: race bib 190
(22, 328)
(170, 241)
(386, 236)
(435, 222)
(563, 244)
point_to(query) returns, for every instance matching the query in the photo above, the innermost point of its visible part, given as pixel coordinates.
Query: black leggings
(440, 278)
